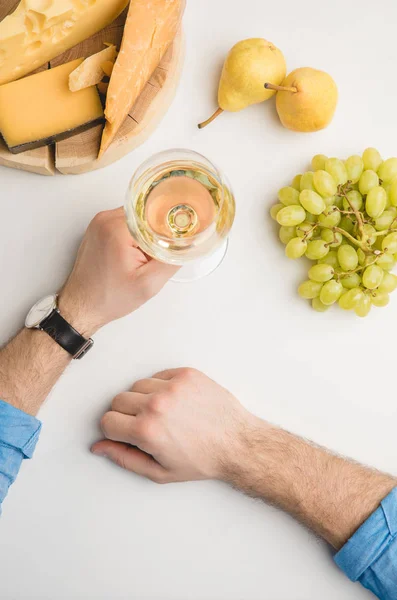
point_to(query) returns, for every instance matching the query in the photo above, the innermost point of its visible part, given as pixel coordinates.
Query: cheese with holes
(91, 71)
(39, 30)
(150, 28)
(41, 109)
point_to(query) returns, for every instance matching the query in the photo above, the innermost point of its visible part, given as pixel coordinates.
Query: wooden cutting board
(78, 154)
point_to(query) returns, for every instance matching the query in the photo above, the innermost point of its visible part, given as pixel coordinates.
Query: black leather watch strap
(65, 335)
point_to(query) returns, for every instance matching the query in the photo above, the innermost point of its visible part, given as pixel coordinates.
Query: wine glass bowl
(179, 207)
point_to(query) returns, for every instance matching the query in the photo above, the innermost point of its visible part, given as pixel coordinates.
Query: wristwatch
(45, 315)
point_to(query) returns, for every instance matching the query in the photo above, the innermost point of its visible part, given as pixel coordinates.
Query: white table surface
(75, 526)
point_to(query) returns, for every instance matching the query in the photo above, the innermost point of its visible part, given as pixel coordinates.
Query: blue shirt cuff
(19, 433)
(18, 429)
(370, 556)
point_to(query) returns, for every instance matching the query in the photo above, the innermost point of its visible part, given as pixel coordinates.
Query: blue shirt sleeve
(19, 433)
(370, 556)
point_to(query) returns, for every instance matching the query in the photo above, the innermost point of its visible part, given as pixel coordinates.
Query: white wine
(179, 210)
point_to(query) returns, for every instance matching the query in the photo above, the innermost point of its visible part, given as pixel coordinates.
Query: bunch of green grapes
(343, 216)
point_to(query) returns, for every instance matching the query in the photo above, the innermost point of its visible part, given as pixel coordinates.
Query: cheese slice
(39, 30)
(91, 72)
(40, 109)
(150, 28)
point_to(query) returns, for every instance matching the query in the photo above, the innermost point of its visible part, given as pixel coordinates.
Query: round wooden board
(78, 154)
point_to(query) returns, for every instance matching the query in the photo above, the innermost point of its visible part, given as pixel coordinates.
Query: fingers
(169, 374)
(119, 427)
(159, 272)
(148, 386)
(129, 403)
(131, 459)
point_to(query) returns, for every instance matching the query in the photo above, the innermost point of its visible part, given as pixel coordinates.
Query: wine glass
(180, 210)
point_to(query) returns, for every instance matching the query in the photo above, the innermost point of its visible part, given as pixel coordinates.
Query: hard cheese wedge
(90, 72)
(41, 109)
(40, 30)
(149, 30)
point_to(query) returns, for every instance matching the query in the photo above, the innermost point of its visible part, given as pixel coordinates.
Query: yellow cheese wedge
(39, 30)
(90, 72)
(149, 30)
(41, 109)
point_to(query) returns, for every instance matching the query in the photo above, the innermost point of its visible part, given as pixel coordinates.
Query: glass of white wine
(180, 210)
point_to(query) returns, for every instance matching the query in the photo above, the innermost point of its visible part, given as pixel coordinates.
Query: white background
(75, 526)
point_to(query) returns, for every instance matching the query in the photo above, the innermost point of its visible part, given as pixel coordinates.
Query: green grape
(389, 243)
(331, 217)
(369, 232)
(311, 218)
(372, 277)
(378, 244)
(336, 168)
(317, 249)
(385, 220)
(318, 305)
(388, 170)
(330, 259)
(331, 200)
(288, 196)
(275, 210)
(286, 234)
(354, 167)
(351, 281)
(291, 215)
(355, 200)
(307, 181)
(368, 180)
(321, 273)
(372, 159)
(346, 224)
(375, 203)
(324, 184)
(386, 262)
(296, 248)
(347, 257)
(336, 200)
(331, 292)
(312, 202)
(380, 299)
(363, 306)
(318, 162)
(309, 289)
(362, 257)
(345, 301)
(296, 182)
(354, 296)
(393, 192)
(305, 230)
(333, 239)
(389, 283)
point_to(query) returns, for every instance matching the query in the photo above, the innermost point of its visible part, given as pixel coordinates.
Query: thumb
(131, 459)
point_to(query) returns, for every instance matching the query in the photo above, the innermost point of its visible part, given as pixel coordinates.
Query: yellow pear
(248, 65)
(306, 99)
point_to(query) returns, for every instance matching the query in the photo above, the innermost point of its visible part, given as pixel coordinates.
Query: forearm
(330, 495)
(32, 363)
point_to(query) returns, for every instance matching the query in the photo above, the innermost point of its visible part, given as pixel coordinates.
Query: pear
(248, 65)
(306, 99)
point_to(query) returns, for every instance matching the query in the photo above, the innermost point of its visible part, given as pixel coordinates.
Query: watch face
(40, 311)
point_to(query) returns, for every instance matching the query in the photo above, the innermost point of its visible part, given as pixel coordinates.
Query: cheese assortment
(40, 30)
(149, 30)
(54, 104)
(52, 111)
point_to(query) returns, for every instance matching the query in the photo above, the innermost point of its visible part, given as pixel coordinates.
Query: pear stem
(216, 114)
(280, 88)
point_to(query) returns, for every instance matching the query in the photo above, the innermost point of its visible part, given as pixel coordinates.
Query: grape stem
(353, 240)
(360, 268)
(342, 192)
